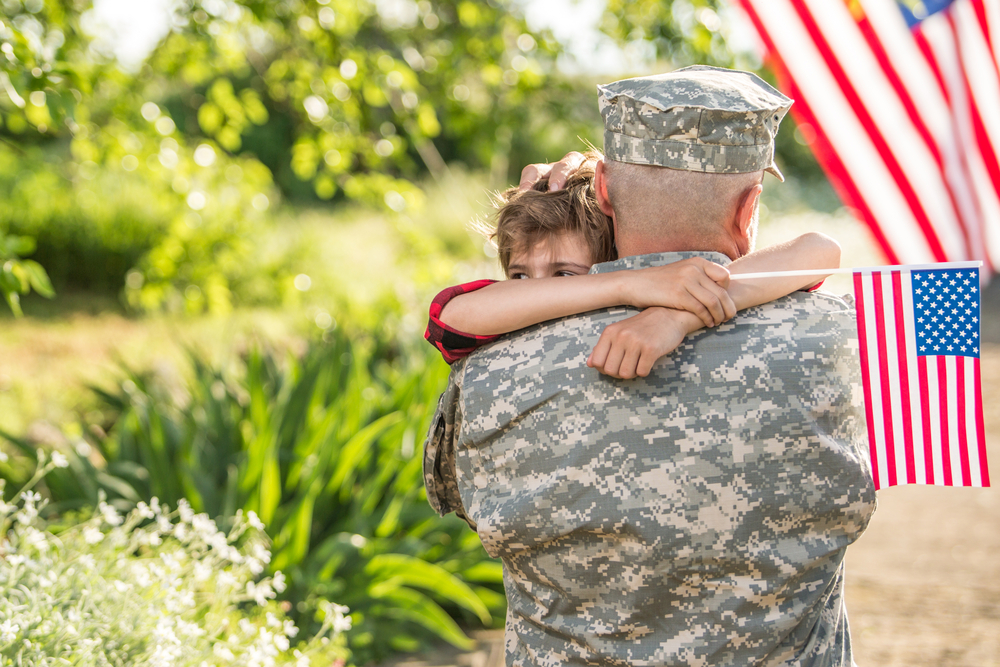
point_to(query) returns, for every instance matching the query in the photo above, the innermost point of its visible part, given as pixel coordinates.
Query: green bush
(19, 276)
(164, 231)
(325, 449)
(153, 587)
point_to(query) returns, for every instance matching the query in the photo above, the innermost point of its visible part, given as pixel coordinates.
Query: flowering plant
(154, 587)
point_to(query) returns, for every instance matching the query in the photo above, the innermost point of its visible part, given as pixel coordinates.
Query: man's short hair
(650, 200)
(527, 217)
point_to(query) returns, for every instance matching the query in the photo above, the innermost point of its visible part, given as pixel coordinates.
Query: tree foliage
(354, 98)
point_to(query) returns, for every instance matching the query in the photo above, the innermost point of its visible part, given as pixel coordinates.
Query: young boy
(548, 236)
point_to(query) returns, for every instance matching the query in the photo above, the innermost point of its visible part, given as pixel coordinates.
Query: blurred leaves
(19, 276)
(356, 99)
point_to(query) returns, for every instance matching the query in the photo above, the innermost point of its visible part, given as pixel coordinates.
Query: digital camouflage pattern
(699, 516)
(697, 118)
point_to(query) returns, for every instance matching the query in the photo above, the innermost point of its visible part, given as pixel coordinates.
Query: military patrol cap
(697, 118)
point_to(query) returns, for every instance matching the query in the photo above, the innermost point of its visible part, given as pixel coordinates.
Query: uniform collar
(657, 259)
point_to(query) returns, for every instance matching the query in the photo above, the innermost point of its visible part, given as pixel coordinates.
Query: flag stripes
(907, 123)
(924, 410)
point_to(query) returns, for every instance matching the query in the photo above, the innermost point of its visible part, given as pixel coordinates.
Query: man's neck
(633, 247)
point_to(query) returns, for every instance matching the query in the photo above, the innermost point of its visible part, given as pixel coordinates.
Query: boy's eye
(563, 274)
(518, 276)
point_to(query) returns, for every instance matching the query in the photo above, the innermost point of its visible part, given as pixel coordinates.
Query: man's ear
(601, 189)
(745, 218)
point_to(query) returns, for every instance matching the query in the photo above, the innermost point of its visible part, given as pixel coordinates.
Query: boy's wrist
(625, 289)
(687, 321)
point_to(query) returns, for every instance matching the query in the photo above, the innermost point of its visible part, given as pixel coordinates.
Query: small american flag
(919, 336)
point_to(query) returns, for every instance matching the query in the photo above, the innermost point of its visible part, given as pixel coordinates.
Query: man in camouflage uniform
(697, 516)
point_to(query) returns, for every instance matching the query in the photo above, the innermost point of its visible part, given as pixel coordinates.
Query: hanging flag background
(904, 119)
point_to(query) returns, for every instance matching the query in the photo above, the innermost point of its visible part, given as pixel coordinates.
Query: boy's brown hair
(527, 217)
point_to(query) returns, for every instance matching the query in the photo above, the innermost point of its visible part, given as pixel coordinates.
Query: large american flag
(918, 330)
(903, 113)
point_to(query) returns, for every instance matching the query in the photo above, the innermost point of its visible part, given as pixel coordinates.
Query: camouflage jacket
(699, 516)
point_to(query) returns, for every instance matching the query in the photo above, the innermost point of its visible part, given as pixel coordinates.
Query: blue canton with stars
(946, 312)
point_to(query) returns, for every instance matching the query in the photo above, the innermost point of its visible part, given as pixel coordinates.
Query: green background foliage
(325, 448)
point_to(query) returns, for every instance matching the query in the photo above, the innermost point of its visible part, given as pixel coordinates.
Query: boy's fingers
(697, 306)
(532, 174)
(717, 273)
(645, 364)
(630, 360)
(565, 168)
(729, 306)
(600, 353)
(711, 301)
(613, 362)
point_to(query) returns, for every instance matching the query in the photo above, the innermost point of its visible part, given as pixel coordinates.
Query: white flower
(246, 627)
(59, 460)
(256, 567)
(184, 507)
(301, 660)
(144, 510)
(261, 553)
(289, 628)
(202, 571)
(223, 653)
(92, 535)
(272, 620)
(204, 526)
(190, 630)
(281, 641)
(36, 538)
(3, 457)
(122, 587)
(110, 514)
(218, 542)
(278, 581)
(341, 621)
(28, 512)
(254, 520)
(225, 579)
(8, 631)
(260, 593)
(180, 531)
(154, 505)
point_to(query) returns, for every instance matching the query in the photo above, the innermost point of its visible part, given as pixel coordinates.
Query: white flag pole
(859, 269)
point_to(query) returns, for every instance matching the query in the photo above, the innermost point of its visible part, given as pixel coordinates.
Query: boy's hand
(557, 172)
(629, 348)
(695, 285)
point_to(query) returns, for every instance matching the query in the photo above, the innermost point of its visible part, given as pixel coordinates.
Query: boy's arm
(809, 251)
(691, 285)
(629, 348)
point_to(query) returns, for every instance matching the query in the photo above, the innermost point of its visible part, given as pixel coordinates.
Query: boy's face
(558, 255)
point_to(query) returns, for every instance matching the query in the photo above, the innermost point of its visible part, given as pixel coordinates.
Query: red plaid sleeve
(452, 343)
(814, 287)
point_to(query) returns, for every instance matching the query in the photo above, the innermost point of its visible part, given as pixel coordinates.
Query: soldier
(700, 515)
